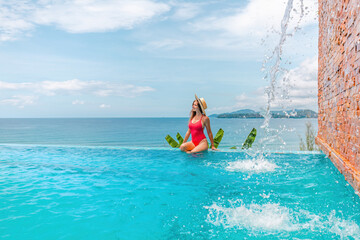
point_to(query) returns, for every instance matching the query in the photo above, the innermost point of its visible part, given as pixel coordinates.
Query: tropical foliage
(309, 144)
(217, 139)
(249, 140)
(173, 143)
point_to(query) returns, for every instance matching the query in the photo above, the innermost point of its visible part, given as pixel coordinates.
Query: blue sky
(145, 58)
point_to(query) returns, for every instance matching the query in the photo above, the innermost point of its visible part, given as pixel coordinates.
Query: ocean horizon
(147, 132)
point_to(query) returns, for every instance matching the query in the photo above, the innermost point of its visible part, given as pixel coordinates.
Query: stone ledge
(350, 173)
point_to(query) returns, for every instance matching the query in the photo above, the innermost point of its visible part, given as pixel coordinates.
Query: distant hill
(248, 113)
(244, 111)
(240, 112)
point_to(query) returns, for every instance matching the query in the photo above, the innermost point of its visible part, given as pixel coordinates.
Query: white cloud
(298, 90)
(299, 87)
(78, 102)
(104, 106)
(14, 19)
(51, 87)
(98, 15)
(75, 86)
(248, 27)
(127, 90)
(258, 17)
(14, 86)
(19, 101)
(185, 11)
(79, 16)
(166, 44)
(303, 84)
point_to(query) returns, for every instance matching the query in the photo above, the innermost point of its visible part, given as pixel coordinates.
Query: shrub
(309, 144)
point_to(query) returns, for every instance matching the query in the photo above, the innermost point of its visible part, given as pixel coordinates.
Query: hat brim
(200, 103)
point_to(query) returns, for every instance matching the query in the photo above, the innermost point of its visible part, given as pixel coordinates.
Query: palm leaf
(171, 141)
(250, 139)
(179, 138)
(217, 139)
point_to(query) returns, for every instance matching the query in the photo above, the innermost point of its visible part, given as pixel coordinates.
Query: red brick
(339, 85)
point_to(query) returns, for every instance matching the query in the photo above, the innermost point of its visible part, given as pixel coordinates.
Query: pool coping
(224, 150)
(352, 176)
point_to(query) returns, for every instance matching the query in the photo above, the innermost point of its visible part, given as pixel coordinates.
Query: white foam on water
(263, 195)
(255, 217)
(273, 217)
(256, 166)
(341, 227)
(344, 228)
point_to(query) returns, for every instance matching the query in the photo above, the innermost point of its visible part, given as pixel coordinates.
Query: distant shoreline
(248, 113)
(244, 117)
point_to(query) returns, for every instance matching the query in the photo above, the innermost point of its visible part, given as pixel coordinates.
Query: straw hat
(202, 104)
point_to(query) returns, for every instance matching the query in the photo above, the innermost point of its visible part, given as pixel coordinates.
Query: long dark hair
(193, 113)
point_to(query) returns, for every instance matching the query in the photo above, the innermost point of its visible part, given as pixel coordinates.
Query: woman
(198, 120)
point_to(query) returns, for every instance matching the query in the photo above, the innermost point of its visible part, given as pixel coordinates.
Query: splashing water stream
(273, 70)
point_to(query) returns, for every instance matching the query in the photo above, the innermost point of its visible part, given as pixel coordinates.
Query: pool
(89, 192)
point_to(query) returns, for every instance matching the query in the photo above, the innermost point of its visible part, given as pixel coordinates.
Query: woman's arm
(209, 132)
(187, 135)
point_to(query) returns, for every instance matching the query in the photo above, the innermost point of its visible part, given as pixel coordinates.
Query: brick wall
(339, 86)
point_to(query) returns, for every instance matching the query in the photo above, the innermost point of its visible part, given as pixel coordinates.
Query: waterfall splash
(276, 93)
(274, 71)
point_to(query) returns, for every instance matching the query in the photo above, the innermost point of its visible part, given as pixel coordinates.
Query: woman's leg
(188, 146)
(203, 146)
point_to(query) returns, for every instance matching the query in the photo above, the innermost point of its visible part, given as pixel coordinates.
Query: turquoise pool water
(58, 192)
(118, 179)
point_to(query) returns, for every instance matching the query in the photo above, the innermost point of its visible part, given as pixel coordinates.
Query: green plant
(309, 144)
(173, 143)
(249, 140)
(217, 139)
(179, 138)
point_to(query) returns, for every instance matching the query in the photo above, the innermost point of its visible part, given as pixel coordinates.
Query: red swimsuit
(197, 133)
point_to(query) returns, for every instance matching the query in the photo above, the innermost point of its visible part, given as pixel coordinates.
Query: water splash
(273, 218)
(255, 217)
(277, 93)
(257, 161)
(274, 70)
(251, 166)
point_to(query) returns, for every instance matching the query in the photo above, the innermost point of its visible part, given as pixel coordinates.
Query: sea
(146, 132)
